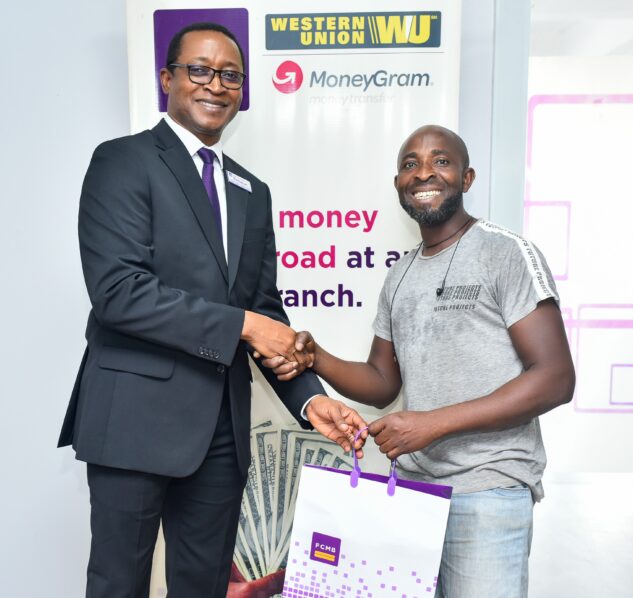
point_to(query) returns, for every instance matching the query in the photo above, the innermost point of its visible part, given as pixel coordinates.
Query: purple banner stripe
(600, 323)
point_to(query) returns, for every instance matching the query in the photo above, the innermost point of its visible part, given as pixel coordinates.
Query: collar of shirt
(192, 143)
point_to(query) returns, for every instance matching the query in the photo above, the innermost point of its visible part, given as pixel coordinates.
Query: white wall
(52, 118)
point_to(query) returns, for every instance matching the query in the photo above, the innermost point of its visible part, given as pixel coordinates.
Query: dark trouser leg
(125, 516)
(200, 520)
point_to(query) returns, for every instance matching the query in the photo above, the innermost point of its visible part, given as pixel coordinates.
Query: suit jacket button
(220, 369)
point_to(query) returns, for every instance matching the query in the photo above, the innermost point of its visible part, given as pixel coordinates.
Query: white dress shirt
(193, 144)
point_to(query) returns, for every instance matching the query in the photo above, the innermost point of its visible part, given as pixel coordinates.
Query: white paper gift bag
(365, 535)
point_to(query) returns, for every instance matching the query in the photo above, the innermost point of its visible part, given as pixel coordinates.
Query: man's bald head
(458, 142)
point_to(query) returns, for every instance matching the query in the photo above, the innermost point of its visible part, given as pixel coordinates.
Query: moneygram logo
(288, 77)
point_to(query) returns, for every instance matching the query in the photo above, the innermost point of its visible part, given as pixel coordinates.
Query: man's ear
(165, 79)
(468, 178)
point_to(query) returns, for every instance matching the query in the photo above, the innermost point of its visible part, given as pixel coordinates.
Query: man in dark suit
(178, 254)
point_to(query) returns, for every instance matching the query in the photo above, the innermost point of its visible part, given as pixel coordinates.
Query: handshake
(288, 353)
(375, 382)
(285, 351)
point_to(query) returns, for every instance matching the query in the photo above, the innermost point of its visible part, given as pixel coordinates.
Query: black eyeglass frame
(211, 72)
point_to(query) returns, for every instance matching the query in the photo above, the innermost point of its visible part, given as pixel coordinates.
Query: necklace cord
(468, 220)
(394, 296)
(440, 290)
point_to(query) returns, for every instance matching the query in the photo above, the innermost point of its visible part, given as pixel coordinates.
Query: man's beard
(433, 216)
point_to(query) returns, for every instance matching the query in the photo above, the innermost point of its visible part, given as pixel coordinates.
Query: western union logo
(325, 556)
(353, 30)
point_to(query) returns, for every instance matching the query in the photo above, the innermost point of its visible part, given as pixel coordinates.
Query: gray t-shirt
(456, 347)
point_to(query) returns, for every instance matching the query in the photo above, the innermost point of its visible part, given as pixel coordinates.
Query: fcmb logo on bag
(353, 30)
(288, 77)
(325, 549)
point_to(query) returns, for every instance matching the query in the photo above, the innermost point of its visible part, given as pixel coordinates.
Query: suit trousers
(199, 514)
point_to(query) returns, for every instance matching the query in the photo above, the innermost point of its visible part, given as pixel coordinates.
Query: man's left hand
(338, 422)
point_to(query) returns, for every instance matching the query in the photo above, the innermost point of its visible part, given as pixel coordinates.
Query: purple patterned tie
(207, 156)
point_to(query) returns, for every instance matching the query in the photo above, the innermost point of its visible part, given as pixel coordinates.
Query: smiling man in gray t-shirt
(455, 346)
(468, 325)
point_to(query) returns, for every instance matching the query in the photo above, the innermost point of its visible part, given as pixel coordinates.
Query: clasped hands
(274, 340)
(395, 434)
(279, 346)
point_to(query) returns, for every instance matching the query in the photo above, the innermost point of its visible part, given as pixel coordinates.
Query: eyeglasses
(203, 75)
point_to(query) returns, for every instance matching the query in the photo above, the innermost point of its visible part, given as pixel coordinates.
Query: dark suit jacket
(167, 311)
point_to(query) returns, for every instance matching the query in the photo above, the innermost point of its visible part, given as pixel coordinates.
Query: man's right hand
(338, 422)
(268, 337)
(305, 349)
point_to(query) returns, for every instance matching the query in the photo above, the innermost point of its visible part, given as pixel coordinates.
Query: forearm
(294, 393)
(362, 382)
(513, 404)
(547, 380)
(532, 393)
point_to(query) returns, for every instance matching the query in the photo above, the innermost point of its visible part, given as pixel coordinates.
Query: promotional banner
(330, 95)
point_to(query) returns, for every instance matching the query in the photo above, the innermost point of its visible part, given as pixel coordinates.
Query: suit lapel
(236, 206)
(175, 156)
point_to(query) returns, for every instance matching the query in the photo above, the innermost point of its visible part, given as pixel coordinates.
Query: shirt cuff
(305, 406)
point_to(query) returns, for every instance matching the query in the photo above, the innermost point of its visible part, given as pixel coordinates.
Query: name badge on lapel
(238, 181)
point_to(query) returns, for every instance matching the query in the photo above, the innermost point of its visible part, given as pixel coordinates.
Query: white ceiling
(581, 27)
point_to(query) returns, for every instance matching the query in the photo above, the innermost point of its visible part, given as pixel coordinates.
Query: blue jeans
(487, 545)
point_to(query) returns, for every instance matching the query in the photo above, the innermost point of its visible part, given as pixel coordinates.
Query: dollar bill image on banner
(361, 541)
(268, 502)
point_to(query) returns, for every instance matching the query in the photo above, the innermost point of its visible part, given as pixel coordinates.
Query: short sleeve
(382, 321)
(524, 280)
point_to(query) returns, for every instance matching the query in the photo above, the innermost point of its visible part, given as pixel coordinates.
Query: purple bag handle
(355, 473)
